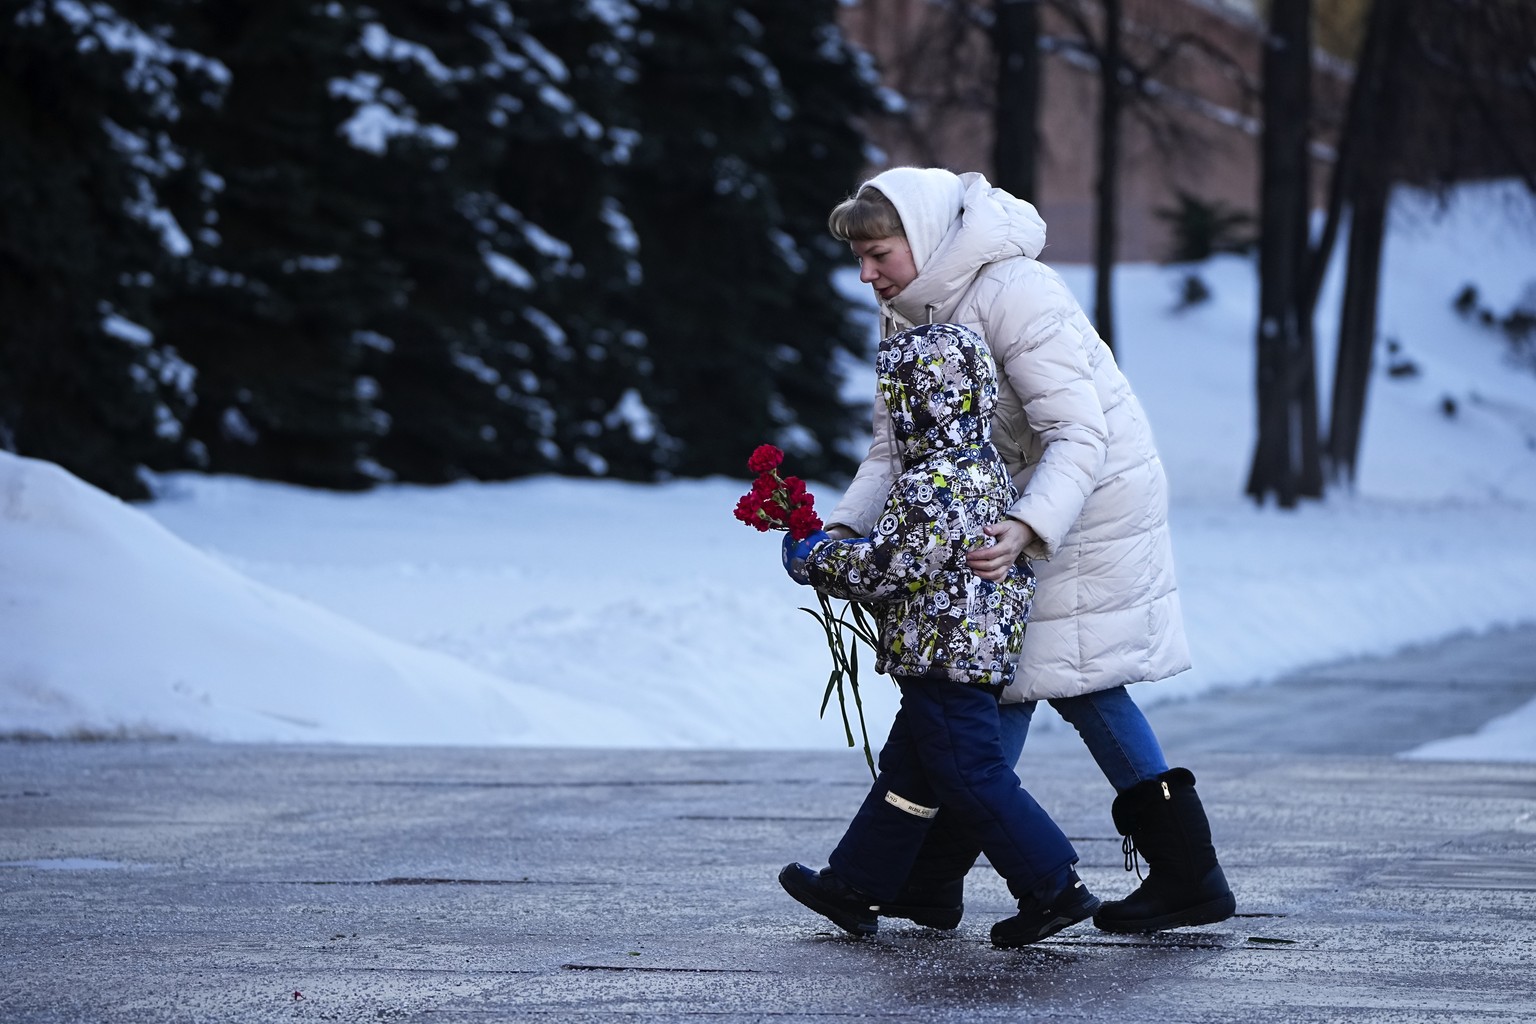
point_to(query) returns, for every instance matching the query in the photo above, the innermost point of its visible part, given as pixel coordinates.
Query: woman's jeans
(946, 750)
(1112, 727)
(1115, 732)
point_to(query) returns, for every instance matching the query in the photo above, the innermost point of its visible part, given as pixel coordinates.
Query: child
(951, 640)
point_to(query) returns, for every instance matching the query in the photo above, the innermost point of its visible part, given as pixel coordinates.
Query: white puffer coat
(1067, 425)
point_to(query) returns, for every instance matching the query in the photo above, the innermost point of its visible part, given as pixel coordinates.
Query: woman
(1091, 517)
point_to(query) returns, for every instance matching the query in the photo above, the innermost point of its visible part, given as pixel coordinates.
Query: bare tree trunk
(1309, 444)
(1357, 327)
(1106, 229)
(1348, 156)
(1284, 202)
(1015, 149)
(1366, 192)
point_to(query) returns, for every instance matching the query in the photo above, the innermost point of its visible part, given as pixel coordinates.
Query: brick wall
(1201, 137)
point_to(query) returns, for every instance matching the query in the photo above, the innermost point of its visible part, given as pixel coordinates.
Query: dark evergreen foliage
(424, 240)
(744, 145)
(84, 118)
(279, 275)
(585, 368)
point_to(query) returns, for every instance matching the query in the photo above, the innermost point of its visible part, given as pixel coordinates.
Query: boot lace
(1132, 861)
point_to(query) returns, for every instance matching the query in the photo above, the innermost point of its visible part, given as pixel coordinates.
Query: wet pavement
(1370, 706)
(197, 882)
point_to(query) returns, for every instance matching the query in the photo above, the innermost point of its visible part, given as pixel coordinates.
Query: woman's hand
(1010, 538)
(838, 531)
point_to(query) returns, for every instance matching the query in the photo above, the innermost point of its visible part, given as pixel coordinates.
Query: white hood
(956, 224)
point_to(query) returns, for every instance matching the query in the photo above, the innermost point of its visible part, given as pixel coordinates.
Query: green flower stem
(845, 663)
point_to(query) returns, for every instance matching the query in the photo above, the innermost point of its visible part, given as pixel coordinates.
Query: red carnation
(774, 500)
(803, 522)
(765, 459)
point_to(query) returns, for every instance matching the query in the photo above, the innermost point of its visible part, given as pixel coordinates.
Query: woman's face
(885, 264)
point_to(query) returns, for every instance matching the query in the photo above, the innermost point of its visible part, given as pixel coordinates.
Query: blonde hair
(864, 217)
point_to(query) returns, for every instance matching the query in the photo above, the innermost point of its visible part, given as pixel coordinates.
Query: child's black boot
(831, 897)
(1041, 917)
(934, 906)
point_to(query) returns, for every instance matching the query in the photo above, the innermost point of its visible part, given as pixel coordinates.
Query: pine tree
(742, 115)
(284, 270)
(830, 87)
(526, 295)
(334, 242)
(418, 71)
(88, 105)
(568, 169)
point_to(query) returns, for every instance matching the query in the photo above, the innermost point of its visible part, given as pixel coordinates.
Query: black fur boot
(1163, 821)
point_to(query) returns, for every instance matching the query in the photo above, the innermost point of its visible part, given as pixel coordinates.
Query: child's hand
(795, 552)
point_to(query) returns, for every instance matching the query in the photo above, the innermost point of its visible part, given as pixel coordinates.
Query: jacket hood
(940, 386)
(966, 222)
(928, 200)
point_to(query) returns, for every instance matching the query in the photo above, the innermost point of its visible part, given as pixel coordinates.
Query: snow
(153, 59)
(381, 46)
(508, 270)
(118, 326)
(554, 611)
(382, 114)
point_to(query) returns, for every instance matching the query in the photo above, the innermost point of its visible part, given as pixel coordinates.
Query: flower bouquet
(778, 502)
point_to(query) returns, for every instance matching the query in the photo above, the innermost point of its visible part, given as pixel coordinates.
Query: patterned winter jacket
(937, 618)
